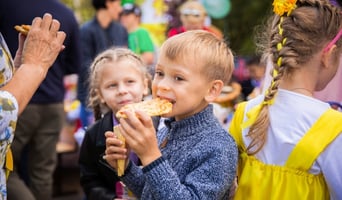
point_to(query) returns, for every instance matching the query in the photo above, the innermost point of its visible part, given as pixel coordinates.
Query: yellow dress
(257, 180)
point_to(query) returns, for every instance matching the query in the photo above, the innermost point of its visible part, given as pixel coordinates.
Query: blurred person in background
(38, 127)
(139, 39)
(99, 33)
(192, 17)
(225, 103)
(252, 86)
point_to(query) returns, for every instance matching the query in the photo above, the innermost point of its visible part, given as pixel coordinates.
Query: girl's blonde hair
(292, 40)
(203, 49)
(112, 55)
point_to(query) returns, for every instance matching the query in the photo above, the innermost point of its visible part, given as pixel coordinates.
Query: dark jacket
(98, 179)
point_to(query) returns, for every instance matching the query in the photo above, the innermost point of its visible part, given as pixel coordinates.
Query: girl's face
(121, 83)
(183, 85)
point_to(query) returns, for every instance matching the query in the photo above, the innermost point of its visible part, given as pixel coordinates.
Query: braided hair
(293, 38)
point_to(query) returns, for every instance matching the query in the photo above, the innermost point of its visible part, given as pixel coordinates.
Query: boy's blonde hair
(292, 40)
(111, 55)
(203, 49)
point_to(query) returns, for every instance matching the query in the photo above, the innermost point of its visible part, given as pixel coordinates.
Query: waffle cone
(121, 163)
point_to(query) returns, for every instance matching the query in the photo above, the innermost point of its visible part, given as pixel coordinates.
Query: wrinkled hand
(17, 59)
(43, 42)
(114, 151)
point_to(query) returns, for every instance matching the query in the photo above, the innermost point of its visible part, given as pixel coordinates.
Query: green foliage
(82, 8)
(239, 25)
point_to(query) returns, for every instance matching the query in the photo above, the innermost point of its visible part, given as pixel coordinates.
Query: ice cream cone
(121, 163)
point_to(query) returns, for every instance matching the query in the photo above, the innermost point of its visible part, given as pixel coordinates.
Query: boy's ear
(214, 90)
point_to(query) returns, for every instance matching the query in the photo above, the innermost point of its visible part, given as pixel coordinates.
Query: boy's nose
(163, 84)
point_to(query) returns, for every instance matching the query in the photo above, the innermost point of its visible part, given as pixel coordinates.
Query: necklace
(307, 91)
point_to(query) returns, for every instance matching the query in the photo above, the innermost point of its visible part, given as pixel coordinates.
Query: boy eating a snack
(192, 157)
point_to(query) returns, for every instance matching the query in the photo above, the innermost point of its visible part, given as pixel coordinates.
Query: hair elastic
(333, 41)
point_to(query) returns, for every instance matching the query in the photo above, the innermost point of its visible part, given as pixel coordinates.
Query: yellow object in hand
(121, 163)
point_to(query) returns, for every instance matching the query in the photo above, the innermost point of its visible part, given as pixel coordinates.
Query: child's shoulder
(217, 137)
(103, 124)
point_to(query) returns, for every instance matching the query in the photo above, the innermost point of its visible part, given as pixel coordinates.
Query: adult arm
(35, 56)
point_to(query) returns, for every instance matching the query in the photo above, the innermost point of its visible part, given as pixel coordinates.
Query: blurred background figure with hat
(139, 39)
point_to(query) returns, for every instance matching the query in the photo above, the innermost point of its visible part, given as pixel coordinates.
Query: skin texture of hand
(43, 42)
(17, 59)
(140, 136)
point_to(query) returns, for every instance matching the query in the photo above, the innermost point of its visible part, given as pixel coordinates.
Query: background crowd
(70, 96)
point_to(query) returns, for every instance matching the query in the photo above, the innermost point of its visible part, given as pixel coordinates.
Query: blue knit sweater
(199, 162)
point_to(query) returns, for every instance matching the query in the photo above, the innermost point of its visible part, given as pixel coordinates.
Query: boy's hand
(140, 136)
(114, 151)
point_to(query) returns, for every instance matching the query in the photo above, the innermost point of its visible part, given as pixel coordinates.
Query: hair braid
(294, 37)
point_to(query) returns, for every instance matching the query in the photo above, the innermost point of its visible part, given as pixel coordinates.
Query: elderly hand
(43, 42)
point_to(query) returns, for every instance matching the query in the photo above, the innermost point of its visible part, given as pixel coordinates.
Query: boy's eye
(178, 78)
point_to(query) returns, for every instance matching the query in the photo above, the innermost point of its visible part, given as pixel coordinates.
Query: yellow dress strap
(235, 128)
(319, 136)
(8, 162)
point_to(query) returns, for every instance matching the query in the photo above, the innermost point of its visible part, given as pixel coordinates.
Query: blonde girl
(118, 77)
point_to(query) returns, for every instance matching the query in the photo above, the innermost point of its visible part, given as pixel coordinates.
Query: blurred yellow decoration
(159, 6)
(283, 6)
(70, 106)
(157, 32)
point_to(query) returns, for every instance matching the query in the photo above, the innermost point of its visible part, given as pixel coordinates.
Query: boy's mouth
(168, 99)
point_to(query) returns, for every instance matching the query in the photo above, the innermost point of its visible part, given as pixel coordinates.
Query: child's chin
(168, 115)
